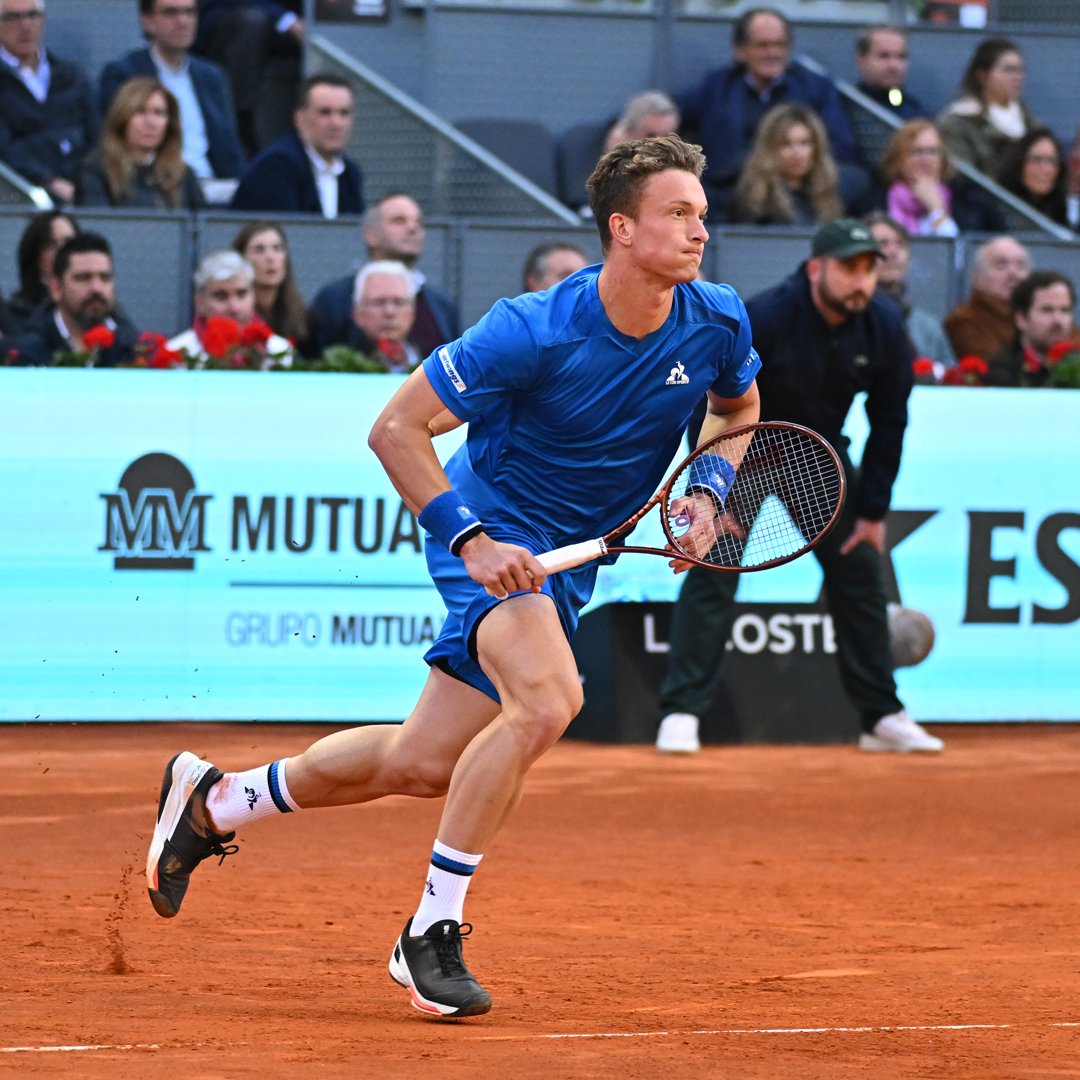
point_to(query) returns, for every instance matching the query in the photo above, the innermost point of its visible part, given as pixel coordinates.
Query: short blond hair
(616, 182)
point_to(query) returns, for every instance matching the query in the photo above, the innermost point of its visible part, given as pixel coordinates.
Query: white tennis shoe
(678, 734)
(897, 733)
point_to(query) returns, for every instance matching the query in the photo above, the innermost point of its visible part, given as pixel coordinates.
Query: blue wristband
(713, 474)
(450, 521)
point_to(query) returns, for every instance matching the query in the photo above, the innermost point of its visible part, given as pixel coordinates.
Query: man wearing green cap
(823, 337)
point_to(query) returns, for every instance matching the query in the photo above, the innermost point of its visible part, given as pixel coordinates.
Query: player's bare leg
(522, 648)
(200, 807)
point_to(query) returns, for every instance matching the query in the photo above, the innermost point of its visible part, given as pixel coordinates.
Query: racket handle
(562, 558)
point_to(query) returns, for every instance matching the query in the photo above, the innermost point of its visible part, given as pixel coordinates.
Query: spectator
(393, 229)
(278, 301)
(789, 177)
(725, 109)
(983, 323)
(1042, 306)
(47, 119)
(254, 40)
(306, 171)
(926, 332)
(823, 337)
(139, 161)
(922, 191)
(225, 290)
(548, 264)
(990, 115)
(384, 305)
(82, 291)
(46, 233)
(211, 144)
(881, 55)
(1034, 171)
(644, 115)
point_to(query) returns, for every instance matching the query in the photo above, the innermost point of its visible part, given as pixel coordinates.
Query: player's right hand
(502, 568)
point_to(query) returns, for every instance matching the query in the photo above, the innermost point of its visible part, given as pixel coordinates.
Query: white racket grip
(563, 558)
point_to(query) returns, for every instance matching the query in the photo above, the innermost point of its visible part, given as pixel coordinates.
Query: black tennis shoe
(182, 834)
(430, 967)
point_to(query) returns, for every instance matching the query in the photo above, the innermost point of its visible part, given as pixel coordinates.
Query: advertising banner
(220, 545)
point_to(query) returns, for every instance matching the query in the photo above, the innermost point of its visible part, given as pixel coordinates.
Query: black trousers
(855, 594)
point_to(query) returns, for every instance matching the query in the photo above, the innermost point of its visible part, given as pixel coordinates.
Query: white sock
(444, 892)
(241, 798)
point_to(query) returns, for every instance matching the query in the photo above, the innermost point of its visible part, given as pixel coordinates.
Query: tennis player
(576, 399)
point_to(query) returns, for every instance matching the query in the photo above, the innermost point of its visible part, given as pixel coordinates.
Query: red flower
(969, 371)
(923, 366)
(394, 351)
(166, 358)
(255, 332)
(1060, 349)
(98, 337)
(220, 336)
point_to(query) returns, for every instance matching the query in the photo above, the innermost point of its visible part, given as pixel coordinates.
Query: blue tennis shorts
(454, 650)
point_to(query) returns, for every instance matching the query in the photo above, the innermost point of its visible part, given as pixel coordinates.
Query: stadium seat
(579, 149)
(525, 145)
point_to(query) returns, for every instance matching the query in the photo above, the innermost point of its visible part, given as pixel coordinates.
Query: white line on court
(868, 1029)
(76, 1049)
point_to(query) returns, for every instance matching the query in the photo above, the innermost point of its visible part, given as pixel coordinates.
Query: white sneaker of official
(678, 734)
(897, 733)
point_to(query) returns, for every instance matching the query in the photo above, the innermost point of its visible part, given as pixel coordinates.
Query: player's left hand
(696, 513)
(865, 532)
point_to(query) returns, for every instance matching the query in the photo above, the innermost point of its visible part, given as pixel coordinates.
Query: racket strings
(786, 490)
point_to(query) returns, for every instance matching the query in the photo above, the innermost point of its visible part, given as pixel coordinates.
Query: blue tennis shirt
(572, 424)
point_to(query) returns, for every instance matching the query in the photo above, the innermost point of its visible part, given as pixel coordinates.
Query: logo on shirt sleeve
(451, 371)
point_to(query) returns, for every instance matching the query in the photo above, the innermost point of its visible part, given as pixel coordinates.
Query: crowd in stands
(185, 123)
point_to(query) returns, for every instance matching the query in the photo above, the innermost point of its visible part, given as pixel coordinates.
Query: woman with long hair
(922, 191)
(990, 115)
(138, 161)
(1034, 170)
(789, 177)
(277, 298)
(40, 241)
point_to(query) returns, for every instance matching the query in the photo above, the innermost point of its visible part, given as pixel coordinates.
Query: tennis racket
(753, 497)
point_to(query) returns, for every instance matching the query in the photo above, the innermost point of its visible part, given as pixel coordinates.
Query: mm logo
(155, 520)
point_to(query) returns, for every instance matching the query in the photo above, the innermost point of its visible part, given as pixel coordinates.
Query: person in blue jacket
(306, 171)
(724, 110)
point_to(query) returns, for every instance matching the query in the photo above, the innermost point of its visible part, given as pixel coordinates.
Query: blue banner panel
(205, 546)
(220, 545)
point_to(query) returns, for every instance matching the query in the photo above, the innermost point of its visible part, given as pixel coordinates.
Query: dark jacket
(281, 179)
(210, 11)
(724, 112)
(45, 140)
(212, 92)
(331, 312)
(1010, 367)
(811, 372)
(909, 108)
(92, 189)
(39, 344)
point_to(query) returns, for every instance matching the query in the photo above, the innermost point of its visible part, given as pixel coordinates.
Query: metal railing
(403, 146)
(16, 190)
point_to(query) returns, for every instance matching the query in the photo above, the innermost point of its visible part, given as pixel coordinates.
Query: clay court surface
(750, 912)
